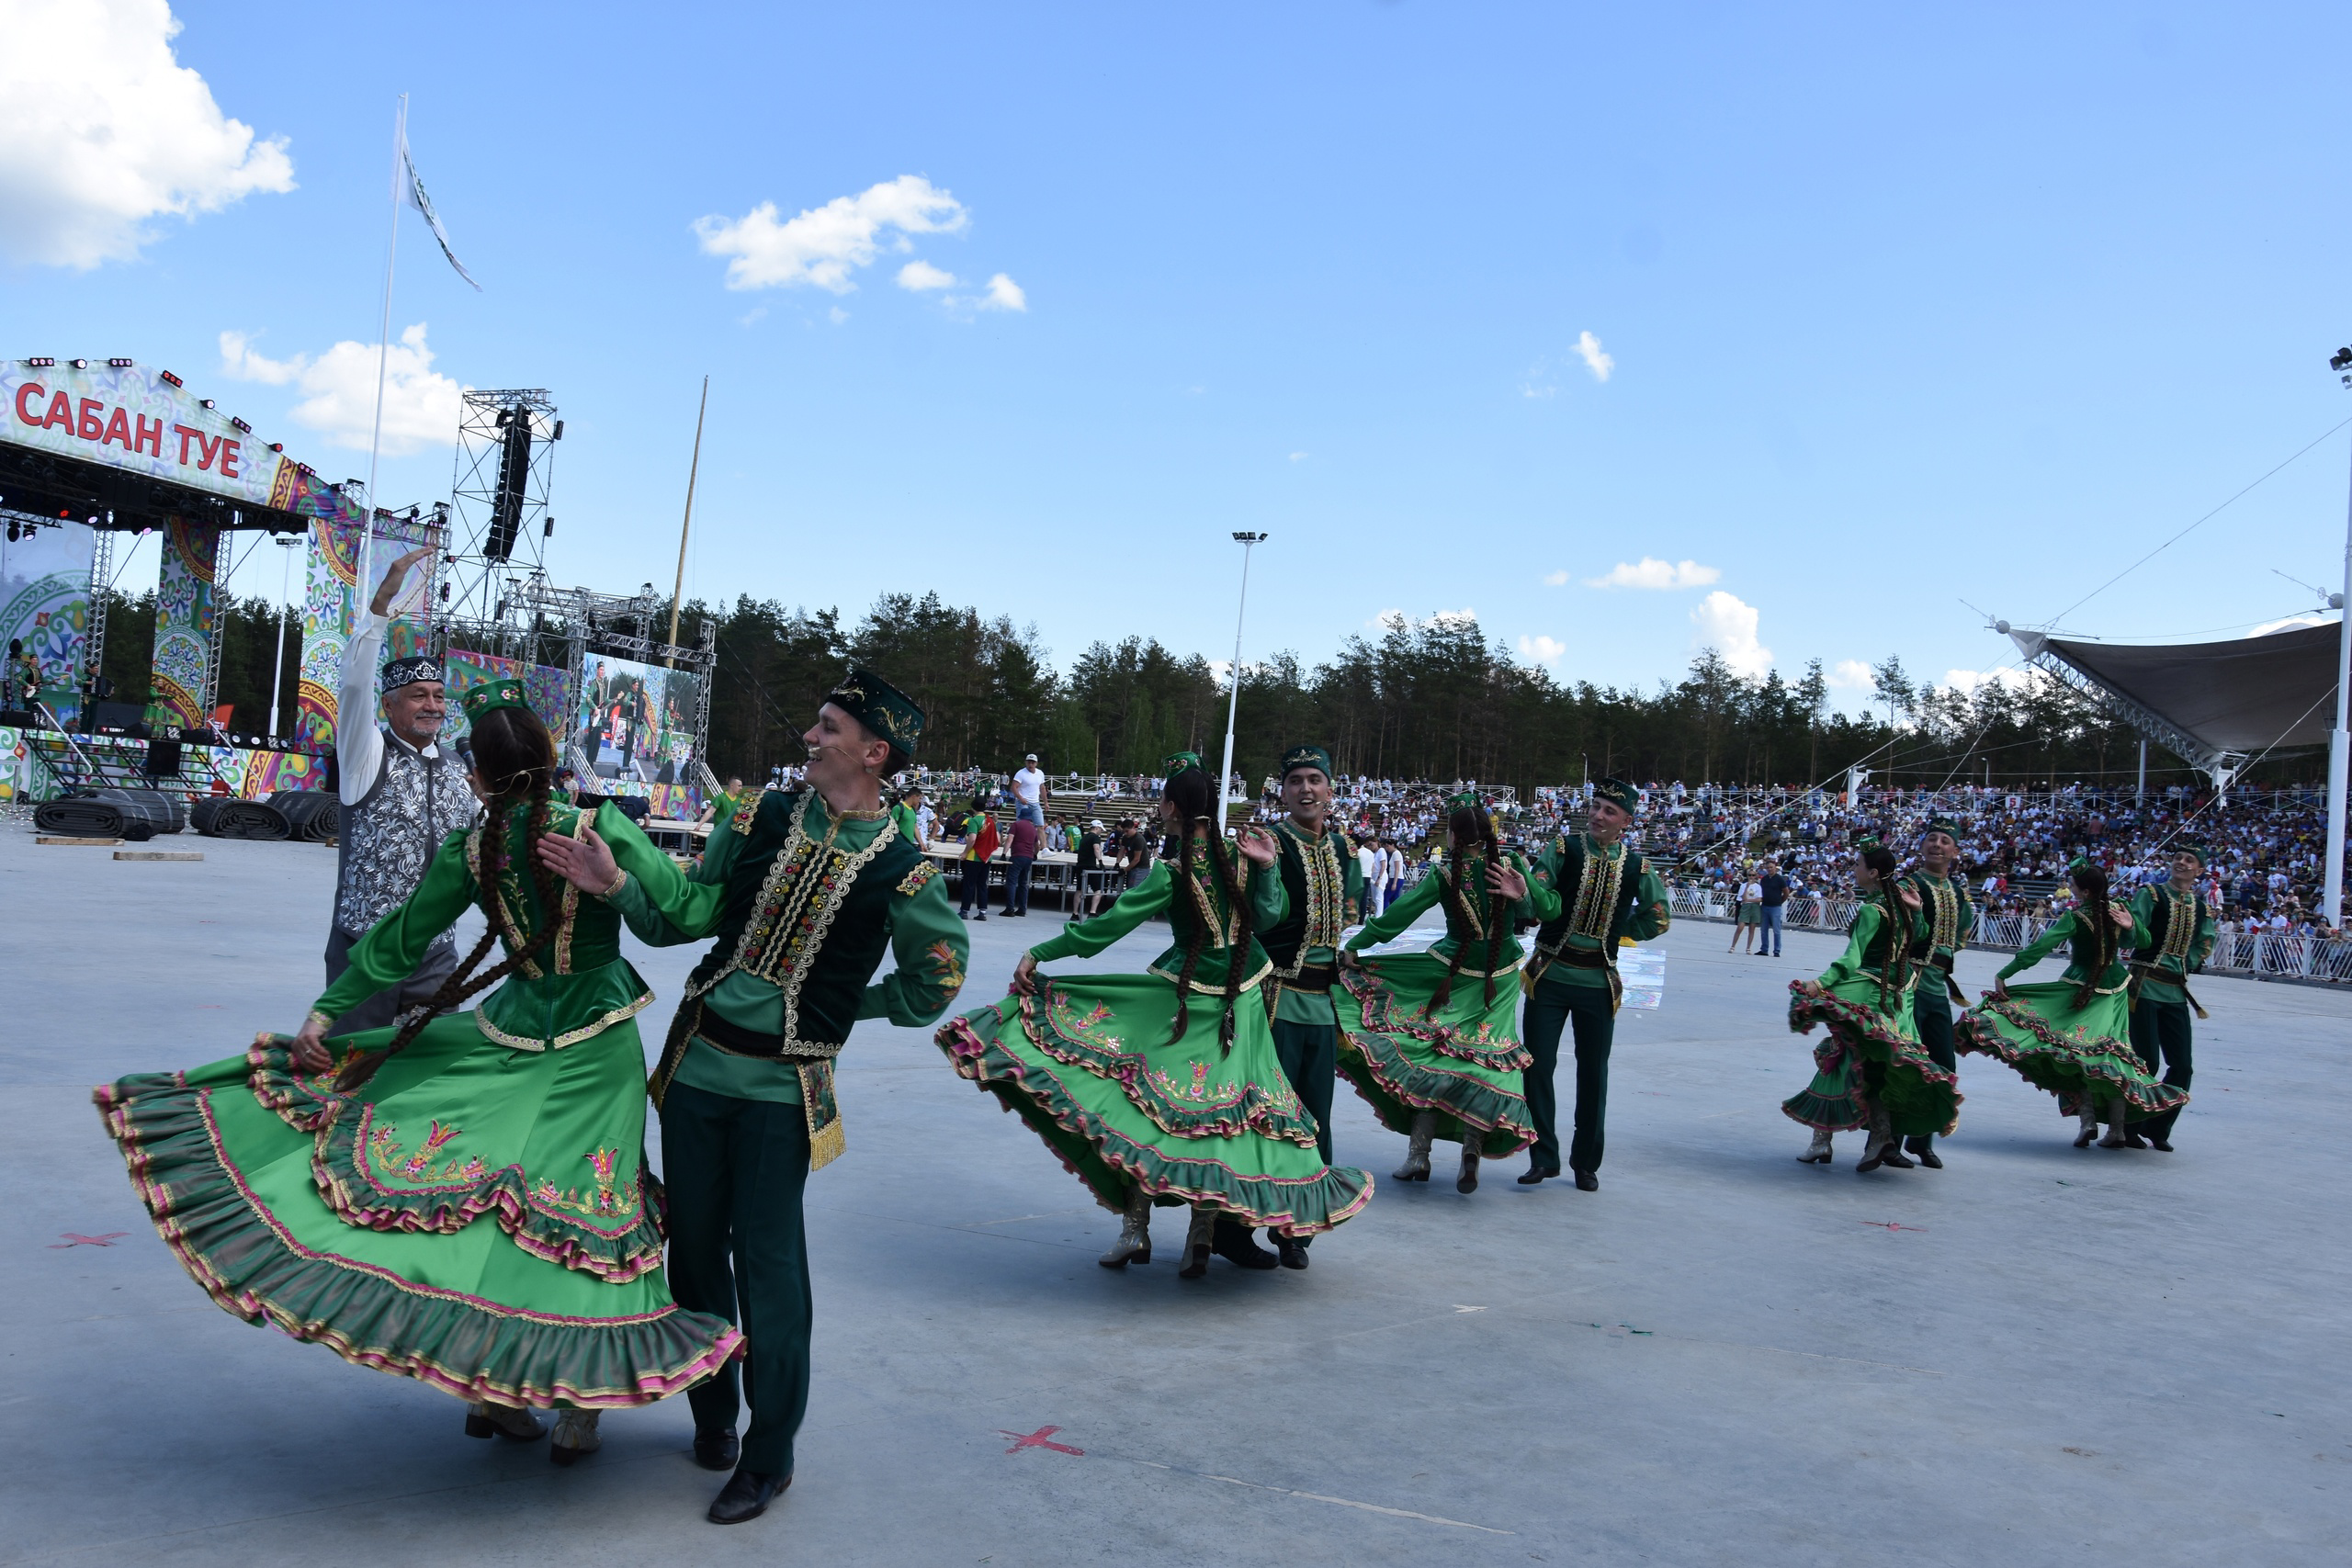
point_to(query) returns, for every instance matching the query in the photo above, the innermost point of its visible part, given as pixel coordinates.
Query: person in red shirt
(1024, 840)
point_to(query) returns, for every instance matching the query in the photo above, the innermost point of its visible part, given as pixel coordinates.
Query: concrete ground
(1722, 1356)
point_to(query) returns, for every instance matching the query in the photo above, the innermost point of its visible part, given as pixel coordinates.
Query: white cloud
(837, 315)
(1538, 382)
(1543, 649)
(101, 129)
(1651, 572)
(1299, 456)
(1595, 359)
(1555, 579)
(1004, 295)
(1726, 625)
(1464, 616)
(824, 244)
(917, 276)
(338, 387)
(1964, 681)
(1853, 675)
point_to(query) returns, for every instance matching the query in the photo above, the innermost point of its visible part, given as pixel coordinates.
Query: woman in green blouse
(1431, 1039)
(1164, 1087)
(2073, 1035)
(1872, 1071)
(461, 1198)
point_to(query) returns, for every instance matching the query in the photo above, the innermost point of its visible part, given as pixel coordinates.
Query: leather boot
(1818, 1151)
(1468, 1181)
(2087, 1122)
(575, 1436)
(1924, 1146)
(1134, 1245)
(485, 1419)
(1416, 1152)
(2116, 1112)
(1196, 1243)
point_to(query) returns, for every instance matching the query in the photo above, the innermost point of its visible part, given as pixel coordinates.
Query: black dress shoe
(716, 1450)
(1534, 1175)
(2159, 1141)
(1293, 1251)
(1231, 1241)
(1924, 1150)
(746, 1495)
(1588, 1182)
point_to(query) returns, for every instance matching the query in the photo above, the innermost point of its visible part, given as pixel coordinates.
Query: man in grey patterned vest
(402, 795)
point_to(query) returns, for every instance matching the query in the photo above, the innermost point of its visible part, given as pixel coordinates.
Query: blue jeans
(1030, 814)
(1016, 886)
(1767, 935)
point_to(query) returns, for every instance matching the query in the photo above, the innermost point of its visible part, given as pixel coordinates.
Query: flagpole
(383, 354)
(693, 468)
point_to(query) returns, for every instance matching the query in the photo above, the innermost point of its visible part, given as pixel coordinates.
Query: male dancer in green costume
(1946, 918)
(1608, 895)
(806, 889)
(2180, 930)
(1325, 883)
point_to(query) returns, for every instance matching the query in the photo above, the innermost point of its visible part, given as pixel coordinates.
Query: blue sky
(1896, 308)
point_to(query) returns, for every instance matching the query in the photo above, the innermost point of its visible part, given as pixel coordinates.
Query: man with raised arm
(402, 793)
(805, 888)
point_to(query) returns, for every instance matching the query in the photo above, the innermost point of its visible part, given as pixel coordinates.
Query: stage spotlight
(2340, 359)
(547, 532)
(13, 532)
(445, 594)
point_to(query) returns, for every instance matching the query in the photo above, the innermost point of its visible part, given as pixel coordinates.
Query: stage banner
(185, 616)
(17, 766)
(547, 688)
(331, 604)
(636, 722)
(255, 775)
(45, 607)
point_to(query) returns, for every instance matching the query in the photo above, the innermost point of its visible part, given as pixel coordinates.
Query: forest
(1433, 699)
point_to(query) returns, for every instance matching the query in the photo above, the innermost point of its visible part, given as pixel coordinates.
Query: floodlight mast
(2339, 740)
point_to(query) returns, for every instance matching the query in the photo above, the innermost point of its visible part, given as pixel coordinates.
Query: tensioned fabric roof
(2240, 695)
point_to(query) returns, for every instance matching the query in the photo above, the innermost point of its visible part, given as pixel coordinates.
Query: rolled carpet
(226, 816)
(76, 817)
(112, 814)
(311, 816)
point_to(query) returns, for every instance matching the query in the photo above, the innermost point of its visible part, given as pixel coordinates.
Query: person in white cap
(1029, 792)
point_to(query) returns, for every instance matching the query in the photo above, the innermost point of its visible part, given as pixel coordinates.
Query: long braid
(2091, 915)
(1457, 901)
(1236, 888)
(1200, 931)
(1498, 913)
(458, 988)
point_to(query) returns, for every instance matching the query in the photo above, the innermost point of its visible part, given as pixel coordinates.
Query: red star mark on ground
(1890, 1226)
(1036, 1440)
(74, 1239)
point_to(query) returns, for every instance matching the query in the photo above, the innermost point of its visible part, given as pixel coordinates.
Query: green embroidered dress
(2068, 1049)
(477, 1216)
(1463, 1060)
(1872, 1053)
(1088, 1063)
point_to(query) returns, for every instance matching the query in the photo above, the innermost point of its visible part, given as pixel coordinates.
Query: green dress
(477, 1216)
(1404, 1054)
(1871, 1053)
(2066, 1048)
(1088, 1063)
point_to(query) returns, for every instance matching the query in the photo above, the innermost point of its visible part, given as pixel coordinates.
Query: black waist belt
(1584, 957)
(1312, 980)
(734, 1036)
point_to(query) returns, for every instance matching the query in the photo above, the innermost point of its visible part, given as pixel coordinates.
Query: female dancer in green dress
(1433, 1045)
(1164, 1087)
(2073, 1035)
(461, 1198)
(1872, 1071)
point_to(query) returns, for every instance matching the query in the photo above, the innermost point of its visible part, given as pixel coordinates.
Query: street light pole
(278, 665)
(2340, 743)
(1233, 707)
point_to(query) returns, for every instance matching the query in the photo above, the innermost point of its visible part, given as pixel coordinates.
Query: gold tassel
(826, 1137)
(826, 1145)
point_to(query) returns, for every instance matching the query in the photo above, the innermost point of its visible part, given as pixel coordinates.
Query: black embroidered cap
(884, 709)
(399, 672)
(1619, 794)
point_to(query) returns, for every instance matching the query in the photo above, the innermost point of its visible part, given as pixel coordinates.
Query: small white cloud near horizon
(1850, 675)
(421, 405)
(1723, 622)
(102, 129)
(1556, 579)
(824, 244)
(1649, 572)
(1004, 295)
(917, 276)
(1299, 456)
(1969, 681)
(1543, 649)
(1596, 358)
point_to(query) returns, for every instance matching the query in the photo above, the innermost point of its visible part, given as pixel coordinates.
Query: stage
(2037, 1355)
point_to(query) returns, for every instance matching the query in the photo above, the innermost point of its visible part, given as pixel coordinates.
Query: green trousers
(1549, 1010)
(1309, 1054)
(2161, 1033)
(734, 1170)
(1931, 1015)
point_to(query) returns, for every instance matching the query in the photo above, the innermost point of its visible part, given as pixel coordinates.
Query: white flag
(413, 192)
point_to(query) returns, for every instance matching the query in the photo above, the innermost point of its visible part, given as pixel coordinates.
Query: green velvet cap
(1307, 757)
(2191, 847)
(1619, 794)
(1466, 801)
(1177, 762)
(1944, 824)
(1865, 842)
(504, 693)
(887, 711)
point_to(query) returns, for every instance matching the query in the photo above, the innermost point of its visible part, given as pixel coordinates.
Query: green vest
(1552, 935)
(813, 921)
(1320, 888)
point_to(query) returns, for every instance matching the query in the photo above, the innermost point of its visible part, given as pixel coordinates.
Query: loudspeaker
(162, 759)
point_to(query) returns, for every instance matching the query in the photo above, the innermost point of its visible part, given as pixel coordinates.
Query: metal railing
(2285, 953)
